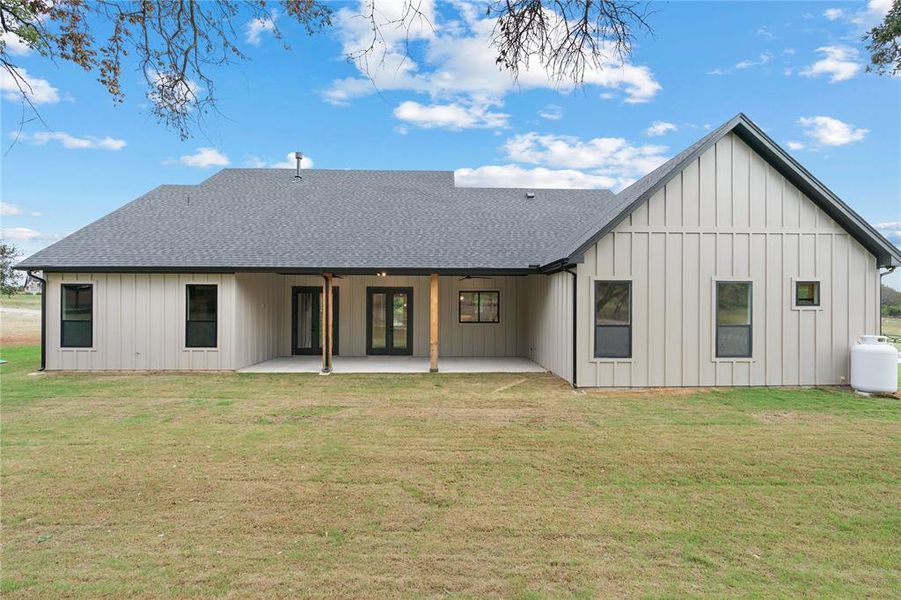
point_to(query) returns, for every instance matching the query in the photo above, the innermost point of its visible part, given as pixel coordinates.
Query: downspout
(575, 329)
(43, 319)
(881, 275)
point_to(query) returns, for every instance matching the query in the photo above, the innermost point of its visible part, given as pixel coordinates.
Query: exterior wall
(139, 323)
(546, 312)
(257, 314)
(729, 215)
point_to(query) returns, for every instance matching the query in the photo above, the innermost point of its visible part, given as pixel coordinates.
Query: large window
(200, 330)
(77, 316)
(733, 319)
(807, 293)
(613, 319)
(480, 307)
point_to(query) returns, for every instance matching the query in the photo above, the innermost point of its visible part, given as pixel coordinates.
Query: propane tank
(874, 365)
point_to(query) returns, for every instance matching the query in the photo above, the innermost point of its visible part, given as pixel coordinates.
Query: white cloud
(828, 131)
(839, 62)
(72, 142)
(24, 234)
(539, 177)
(289, 163)
(891, 230)
(37, 90)
(454, 62)
(8, 210)
(658, 128)
(551, 112)
(450, 116)
(762, 59)
(795, 145)
(258, 26)
(205, 157)
(765, 32)
(613, 157)
(15, 45)
(833, 13)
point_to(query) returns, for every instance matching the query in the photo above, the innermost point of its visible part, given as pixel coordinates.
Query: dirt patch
(19, 326)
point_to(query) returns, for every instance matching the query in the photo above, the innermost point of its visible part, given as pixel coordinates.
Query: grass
(891, 326)
(468, 486)
(21, 301)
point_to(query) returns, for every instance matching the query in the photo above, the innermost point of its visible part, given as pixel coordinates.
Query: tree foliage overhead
(885, 43)
(176, 44)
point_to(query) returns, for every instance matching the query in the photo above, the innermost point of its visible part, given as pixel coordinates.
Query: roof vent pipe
(298, 156)
(530, 195)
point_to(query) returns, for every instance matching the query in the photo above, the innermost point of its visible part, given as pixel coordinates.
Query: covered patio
(395, 364)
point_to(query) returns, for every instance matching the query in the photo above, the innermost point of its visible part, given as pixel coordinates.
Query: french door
(306, 320)
(389, 320)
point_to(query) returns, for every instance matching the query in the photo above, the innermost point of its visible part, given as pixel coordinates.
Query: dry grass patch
(226, 485)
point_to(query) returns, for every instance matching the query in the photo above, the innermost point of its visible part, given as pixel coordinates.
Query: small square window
(807, 293)
(479, 307)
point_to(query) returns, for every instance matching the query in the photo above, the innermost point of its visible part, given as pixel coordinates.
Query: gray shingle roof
(265, 219)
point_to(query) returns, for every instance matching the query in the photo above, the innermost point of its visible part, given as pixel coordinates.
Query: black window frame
(596, 327)
(816, 302)
(478, 306)
(63, 320)
(189, 320)
(749, 326)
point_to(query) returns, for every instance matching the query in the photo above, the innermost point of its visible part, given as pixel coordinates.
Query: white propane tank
(874, 365)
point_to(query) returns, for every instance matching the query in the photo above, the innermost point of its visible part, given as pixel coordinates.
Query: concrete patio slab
(395, 364)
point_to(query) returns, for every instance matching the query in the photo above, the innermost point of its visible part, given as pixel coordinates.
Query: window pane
(399, 321)
(201, 302)
(200, 334)
(733, 341)
(469, 312)
(613, 341)
(378, 321)
(733, 303)
(489, 309)
(77, 302)
(77, 334)
(807, 293)
(612, 303)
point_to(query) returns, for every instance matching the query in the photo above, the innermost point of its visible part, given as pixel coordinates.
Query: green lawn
(440, 485)
(21, 301)
(891, 326)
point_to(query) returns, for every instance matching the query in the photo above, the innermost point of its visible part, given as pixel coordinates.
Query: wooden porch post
(326, 323)
(433, 323)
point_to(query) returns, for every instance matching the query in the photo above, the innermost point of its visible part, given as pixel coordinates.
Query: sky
(437, 101)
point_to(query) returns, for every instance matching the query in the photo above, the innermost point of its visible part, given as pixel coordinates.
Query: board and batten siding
(454, 338)
(139, 323)
(546, 326)
(729, 215)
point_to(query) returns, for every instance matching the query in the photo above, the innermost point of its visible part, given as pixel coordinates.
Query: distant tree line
(891, 302)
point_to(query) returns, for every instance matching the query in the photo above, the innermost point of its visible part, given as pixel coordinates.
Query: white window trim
(591, 287)
(740, 359)
(184, 316)
(792, 298)
(94, 313)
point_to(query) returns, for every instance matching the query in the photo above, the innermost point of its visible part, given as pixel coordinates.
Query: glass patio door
(306, 320)
(389, 321)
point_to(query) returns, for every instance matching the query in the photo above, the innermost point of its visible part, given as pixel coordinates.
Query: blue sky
(796, 68)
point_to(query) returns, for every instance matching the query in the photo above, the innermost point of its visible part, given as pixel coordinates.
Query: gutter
(43, 319)
(575, 328)
(889, 271)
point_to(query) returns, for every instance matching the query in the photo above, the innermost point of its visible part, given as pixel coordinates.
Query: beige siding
(258, 307)
(545, 311)
(455, 339)
(729, 215)
(139, 323)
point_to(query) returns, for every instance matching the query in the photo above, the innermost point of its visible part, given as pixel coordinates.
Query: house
(728, 265)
